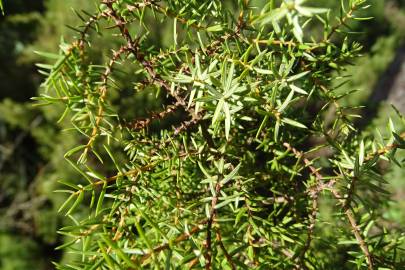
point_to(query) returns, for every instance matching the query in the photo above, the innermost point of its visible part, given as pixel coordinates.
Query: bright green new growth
(241, 143)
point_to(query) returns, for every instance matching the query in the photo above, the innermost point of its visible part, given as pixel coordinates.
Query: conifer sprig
(222, 173)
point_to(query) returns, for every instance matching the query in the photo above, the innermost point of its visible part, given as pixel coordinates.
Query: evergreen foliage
(216, 149)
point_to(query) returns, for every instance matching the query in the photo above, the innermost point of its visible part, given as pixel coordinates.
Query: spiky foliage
(234, 138)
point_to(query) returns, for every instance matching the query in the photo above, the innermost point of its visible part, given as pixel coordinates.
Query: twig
(384, 150)
(226, 253)
(147, 65)
(212, 214)
(185, 236)
(356, 231)
(143, 123)
(314, 194)
(103, 92)
(347, 211)
(93, 19)
(341, 22)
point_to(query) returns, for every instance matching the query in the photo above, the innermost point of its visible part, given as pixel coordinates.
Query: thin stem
(223, 248)
(355, 229)
(185, 236)
(342, 21)
(212, 214)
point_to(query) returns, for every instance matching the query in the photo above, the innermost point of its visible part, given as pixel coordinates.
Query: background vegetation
(32, 146)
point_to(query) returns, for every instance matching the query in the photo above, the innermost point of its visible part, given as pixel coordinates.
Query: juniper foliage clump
(234, 140)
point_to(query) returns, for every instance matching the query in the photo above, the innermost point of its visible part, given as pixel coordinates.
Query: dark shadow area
(19, 79)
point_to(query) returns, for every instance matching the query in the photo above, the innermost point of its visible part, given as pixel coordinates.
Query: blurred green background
(32, 144)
